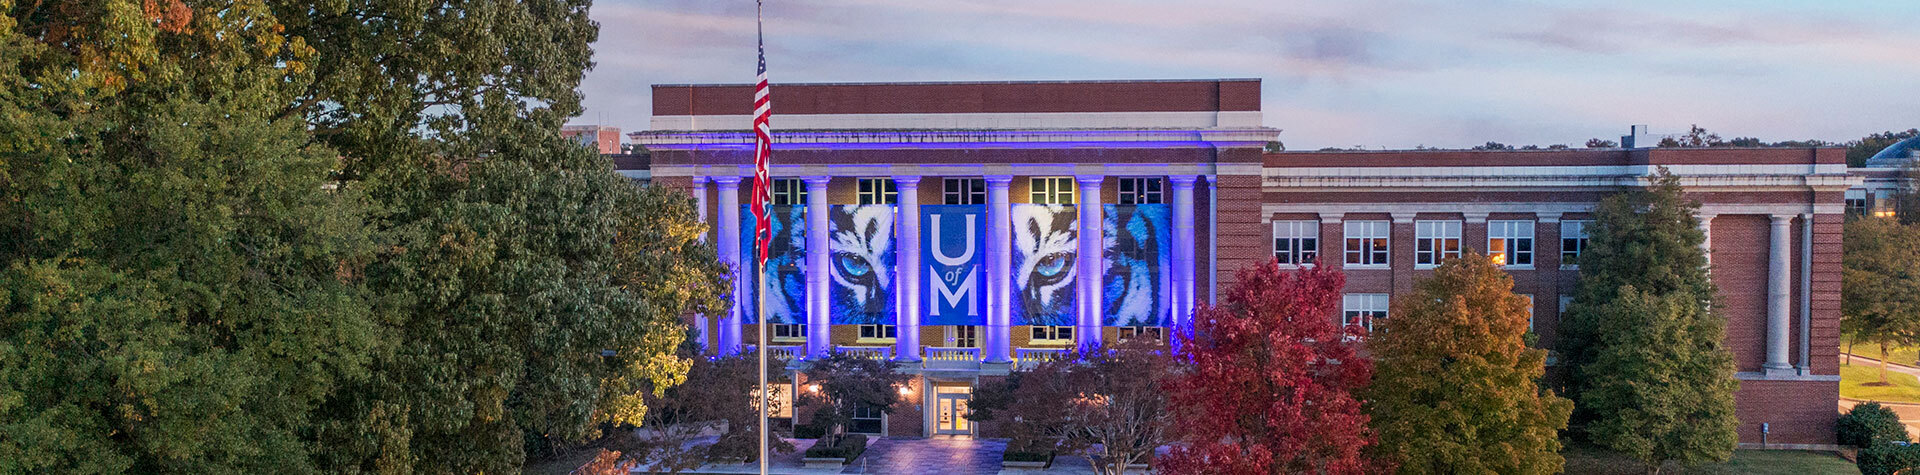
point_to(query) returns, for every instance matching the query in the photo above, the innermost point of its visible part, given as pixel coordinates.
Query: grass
(1863, 382)
(1582, 459)
(1907, 355)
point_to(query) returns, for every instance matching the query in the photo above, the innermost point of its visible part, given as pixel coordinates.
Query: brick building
(951, 216)
(602, 138)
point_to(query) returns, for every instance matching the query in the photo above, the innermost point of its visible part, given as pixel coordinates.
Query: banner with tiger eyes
(786, 275)
(860, 261)
(953, 252)
(1136, 281)
(1045, 246)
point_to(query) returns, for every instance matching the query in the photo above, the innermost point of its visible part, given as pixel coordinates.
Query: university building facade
(966, 230)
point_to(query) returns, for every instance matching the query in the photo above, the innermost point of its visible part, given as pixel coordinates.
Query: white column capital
(998, 180)
(699, 181)
(1332, 217)
(1211, 179)
(906, 181)
(1403, 217)
(727, 181)
(816, 180)
(1089, 180)
(1182, 180)
(1547, 218)
(1781, 219)
(1476, 217)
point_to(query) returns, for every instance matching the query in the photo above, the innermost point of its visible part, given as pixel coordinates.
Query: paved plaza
(935, 455)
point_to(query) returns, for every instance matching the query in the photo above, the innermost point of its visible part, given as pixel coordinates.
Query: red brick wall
(1740, 247)
(960, 97)
(907, 418)
(1243, 240)
(1799, 412)
(1825, 344)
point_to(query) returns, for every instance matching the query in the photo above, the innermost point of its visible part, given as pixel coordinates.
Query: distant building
(603, 138)
(968, 229)
(1885, 180)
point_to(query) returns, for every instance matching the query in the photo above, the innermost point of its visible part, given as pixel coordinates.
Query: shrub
(1026, 456)
(808, 431)
(1868, 424)
(1885, 458)
(849, 447)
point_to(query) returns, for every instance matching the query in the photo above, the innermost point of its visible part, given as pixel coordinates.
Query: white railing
(952, 358)
(870, 352)
(1027, 358)
(775, 352)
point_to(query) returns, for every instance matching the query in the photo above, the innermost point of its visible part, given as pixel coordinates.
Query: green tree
(1879, 292)
(181, 289)
(1456, 386)
(1649, 368)
(1858, 151)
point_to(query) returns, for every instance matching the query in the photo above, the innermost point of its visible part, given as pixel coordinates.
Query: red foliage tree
(1270, 381)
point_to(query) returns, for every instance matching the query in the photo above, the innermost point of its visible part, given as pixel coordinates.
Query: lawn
(1906, 355)
(1863, 382)
(1794, 462)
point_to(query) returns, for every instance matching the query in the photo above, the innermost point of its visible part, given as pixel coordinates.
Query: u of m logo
(952, 287)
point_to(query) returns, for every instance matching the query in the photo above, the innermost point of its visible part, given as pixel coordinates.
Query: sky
(1356, 73)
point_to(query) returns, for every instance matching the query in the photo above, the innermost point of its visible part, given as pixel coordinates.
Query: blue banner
(1137, 281)
(953, 249)
(861, 264)
(1045, 247)
(786, 276)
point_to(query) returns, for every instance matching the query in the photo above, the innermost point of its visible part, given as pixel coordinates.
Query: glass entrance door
(953, 415)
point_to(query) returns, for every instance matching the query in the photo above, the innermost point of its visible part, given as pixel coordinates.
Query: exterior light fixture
(905, 391)
(813, 388)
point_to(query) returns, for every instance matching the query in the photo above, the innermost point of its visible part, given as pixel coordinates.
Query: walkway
(937, 455)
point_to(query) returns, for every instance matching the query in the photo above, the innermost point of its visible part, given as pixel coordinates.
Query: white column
(1086, 298)
(1183, 268)
(729, 246)
(1706, 238)
(819, 335)
(1213, 239)
(1778, 280)
(700, 210)
(907, 269)
(999, 271)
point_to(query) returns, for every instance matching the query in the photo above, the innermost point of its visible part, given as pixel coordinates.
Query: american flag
(762, 152)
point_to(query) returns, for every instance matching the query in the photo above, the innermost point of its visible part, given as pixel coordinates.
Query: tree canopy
(1269, 381)
(1646, 353)
(1456, 386)
(1879, 292)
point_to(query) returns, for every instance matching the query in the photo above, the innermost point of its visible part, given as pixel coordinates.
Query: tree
(1107, 406)
(180, 290)
(1879, 293)
(1491, 145)
(1268, 381)
(1645, 349)
(718, 394)
(841, 384)
(1457, 386)
(1858, 151)
(1602, 143)
(1696, 137)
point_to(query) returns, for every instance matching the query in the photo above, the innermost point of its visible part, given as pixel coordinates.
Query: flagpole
(760, 271)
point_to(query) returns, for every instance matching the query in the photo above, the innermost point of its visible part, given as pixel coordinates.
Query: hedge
(849, 447)
(1869, 423)
(1886, 458)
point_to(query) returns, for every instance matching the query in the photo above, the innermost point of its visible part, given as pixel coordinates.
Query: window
(1857, 206)
(1155, 333)
(1573, 240)
(878, 332)
(964, 191)
(867, 419)
(789, 191)
(1435, 241)
(1510, 243)
(1051, 334)
(1140, 191)
(1296, 242)
(878, 191)
(788, 331)
(1362, 310)
(1367, 243)
(1056, 190)
(964, 336)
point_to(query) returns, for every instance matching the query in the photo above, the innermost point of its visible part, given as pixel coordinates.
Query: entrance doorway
(950, 410)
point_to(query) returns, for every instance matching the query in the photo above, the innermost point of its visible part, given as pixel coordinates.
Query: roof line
(945, 83)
